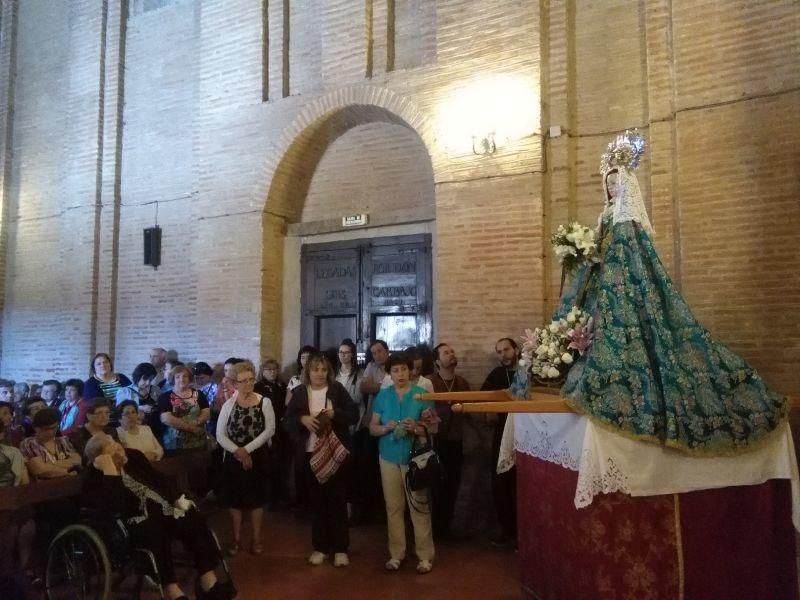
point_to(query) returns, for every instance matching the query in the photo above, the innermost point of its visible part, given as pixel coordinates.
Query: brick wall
(713, 84)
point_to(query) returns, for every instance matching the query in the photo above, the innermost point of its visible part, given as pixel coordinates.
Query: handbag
(424, 467)
(329, 453)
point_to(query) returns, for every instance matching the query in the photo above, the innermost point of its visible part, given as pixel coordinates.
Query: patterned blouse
(188, 409)
(245, 424)
(31, 448)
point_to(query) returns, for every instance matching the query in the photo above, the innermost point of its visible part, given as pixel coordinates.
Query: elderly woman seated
(124, 483)
(48, 456)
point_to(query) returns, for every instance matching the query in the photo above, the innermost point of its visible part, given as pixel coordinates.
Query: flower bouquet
(574, 245)
(550, 351)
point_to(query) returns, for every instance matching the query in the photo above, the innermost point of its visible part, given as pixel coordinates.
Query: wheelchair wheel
(77, 567)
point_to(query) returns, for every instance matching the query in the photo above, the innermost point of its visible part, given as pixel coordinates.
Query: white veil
(628, 203)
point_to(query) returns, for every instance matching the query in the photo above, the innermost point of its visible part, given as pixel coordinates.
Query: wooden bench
(175, 467)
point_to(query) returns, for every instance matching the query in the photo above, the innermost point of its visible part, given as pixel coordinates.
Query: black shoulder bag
(424, 467)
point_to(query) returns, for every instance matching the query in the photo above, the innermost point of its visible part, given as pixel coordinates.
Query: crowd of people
(332, 441)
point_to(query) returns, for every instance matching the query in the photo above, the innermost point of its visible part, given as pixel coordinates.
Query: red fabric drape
(735, 542)
(738, 542)
(616, 548)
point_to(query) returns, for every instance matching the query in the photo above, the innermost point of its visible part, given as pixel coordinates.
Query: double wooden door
(377, 288)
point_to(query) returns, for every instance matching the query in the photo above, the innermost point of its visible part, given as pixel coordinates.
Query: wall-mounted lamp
(492, 110)
(484, 146)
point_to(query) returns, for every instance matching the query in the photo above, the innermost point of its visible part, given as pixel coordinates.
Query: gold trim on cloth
(679, 544)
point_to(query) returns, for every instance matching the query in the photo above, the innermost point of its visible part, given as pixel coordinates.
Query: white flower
(552, 372)
(553, 327)
(562, 251)
(566, 358)
(571, 318)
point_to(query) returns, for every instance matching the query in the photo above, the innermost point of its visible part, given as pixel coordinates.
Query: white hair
(95, 445)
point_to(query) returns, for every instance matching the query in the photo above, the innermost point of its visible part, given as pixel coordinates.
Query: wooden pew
(175, 467)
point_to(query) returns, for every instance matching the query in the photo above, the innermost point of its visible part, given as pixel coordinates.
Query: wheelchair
(90, 560)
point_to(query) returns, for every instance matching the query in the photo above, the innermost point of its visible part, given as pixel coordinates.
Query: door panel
(332, 330)
(369, 289)
(398, 331)
(331, 289)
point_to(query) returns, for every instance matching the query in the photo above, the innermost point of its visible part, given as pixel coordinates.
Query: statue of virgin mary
(653, 371)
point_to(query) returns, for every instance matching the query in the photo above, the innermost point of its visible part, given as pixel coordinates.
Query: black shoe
(503, 541)
(220, 591)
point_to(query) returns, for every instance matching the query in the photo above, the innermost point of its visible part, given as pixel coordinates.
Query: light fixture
(484, 146)
(488, 111)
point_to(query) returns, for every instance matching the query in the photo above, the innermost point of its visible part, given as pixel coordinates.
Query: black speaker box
(152, 246)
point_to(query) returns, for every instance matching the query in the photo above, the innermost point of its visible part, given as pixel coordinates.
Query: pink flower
(581, 337)
(530, 340)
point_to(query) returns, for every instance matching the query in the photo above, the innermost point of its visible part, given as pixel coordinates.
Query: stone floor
(462, 570)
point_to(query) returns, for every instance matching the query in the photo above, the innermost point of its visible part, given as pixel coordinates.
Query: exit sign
(355, 220)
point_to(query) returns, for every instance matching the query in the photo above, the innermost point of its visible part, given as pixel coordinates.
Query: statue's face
(612, 185)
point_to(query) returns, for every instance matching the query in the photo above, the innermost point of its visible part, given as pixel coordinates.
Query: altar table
(725, 543)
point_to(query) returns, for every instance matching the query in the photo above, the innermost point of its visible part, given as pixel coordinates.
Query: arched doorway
(359, 159)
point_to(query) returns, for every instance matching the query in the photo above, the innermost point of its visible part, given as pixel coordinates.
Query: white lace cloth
(556, 438)
(607, 462)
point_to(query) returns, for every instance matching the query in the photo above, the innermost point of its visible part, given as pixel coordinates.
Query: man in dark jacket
(504, 485)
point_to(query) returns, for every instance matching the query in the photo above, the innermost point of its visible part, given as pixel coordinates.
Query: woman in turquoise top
(396, 420)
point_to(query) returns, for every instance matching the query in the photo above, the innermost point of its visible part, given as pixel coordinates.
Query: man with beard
(449, 442)
(504, 485)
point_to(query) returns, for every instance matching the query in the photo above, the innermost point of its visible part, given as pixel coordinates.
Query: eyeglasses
(345, 352)
(244, 381)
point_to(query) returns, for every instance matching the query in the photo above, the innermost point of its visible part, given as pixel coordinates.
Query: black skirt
(244, 489)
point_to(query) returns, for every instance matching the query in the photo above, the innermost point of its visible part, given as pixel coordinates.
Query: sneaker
(424, 566)
(317, 558)
(393, 564)
(340, 559)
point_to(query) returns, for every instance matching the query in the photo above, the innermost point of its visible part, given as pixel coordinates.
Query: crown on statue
(625, 150)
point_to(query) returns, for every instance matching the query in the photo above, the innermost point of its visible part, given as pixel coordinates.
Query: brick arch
(302, 143)
(290, 168)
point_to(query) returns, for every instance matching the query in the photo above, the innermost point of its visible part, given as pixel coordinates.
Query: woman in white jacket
(246, 424)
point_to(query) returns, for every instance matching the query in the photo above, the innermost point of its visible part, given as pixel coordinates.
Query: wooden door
(369, 289)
